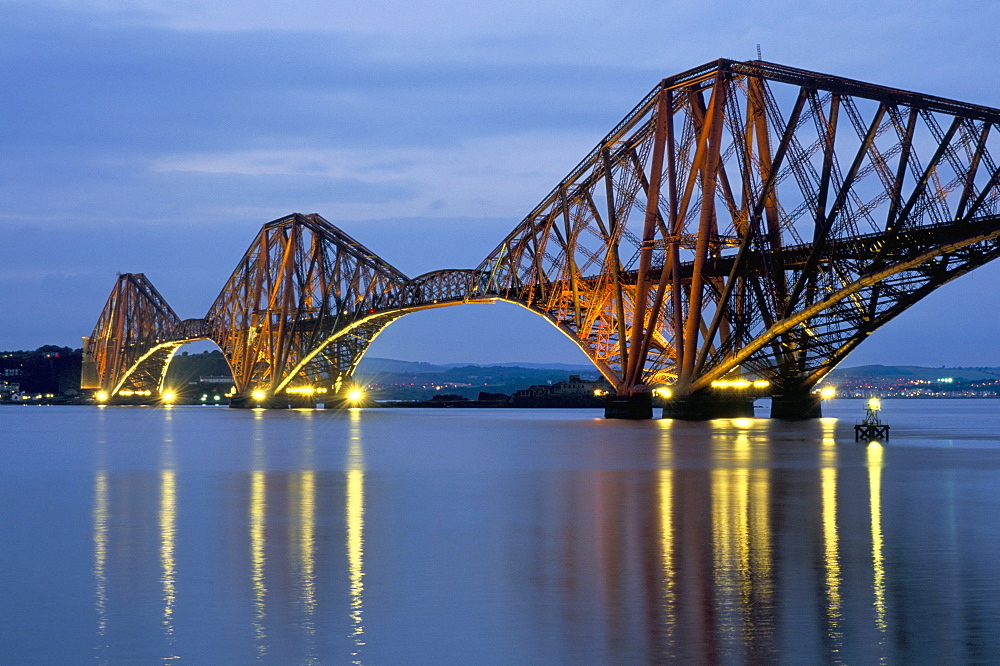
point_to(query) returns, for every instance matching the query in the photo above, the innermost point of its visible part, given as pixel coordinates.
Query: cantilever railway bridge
(745, 221)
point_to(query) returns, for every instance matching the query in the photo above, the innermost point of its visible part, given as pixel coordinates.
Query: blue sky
(157, 136)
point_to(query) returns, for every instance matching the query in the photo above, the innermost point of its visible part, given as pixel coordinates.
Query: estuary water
(404, 536)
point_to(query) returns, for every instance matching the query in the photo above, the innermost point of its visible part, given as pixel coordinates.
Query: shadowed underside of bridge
(745, 220)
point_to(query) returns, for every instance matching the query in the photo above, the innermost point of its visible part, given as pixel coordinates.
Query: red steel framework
(745, 220)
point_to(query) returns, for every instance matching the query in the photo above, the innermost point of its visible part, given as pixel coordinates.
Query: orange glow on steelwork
(645, 255)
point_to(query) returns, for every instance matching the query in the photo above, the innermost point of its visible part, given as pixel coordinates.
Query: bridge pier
(638, 406)
(707, 406)
(796, 406)
(249, 402)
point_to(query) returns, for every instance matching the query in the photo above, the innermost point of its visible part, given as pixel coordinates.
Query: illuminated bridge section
(755, 220)
(299, 311)
(746, 223)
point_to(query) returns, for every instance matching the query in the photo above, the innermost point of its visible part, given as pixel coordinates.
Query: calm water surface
(211, 535)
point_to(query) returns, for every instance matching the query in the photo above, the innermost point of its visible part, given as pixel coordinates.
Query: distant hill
(373, 364)
(43, 370)
(564, 367)
(379, 365)
(917, 372)
(402, 380)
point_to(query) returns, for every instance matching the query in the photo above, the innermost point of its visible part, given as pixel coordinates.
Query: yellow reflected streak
(258, 509)
(307, 544)
(101, 550)
(760, 529)
(831, 539)
(731, 533)
(355, 516)
(666, 489)
(741, 478)
(874, 457)
(168, 533)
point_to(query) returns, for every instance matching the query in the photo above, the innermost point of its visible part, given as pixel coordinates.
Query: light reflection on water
(666, 514)
(168, 525)
(257, 526)
(874, 460)
(454, 536)
(355, 517)
(831, 540)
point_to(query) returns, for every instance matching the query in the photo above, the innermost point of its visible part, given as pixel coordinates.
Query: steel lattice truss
(301, 282)
(744, 218)
(753, 218)
(133, 340)
(301, 307)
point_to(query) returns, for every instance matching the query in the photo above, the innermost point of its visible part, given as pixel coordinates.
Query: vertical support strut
(706, 164)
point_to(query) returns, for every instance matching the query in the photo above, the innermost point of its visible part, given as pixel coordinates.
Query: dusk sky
(156, 136)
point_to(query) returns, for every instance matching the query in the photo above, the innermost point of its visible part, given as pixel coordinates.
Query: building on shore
(575, 392)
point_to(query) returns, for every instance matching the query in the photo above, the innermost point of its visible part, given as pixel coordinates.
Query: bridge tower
(136, 335)
(747, 225)
(300, 309)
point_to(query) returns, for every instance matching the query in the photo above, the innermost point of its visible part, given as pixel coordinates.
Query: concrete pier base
(796, 406)
(341, 402)
(249, 402)
(242, 402)
(638, 406)
(700, 407)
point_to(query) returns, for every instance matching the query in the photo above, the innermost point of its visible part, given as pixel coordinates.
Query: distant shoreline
(440, 404)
